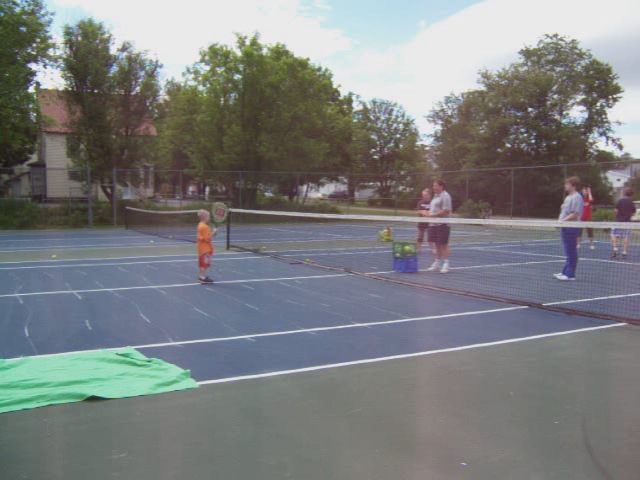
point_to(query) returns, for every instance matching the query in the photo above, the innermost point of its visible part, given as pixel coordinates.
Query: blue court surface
(261, 316)
(287, 320)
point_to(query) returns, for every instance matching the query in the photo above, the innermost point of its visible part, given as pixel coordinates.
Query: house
(620, 177)
(50, 174)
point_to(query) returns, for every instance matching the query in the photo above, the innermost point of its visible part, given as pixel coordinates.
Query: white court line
(582, 259)
(464, 246)
(289, 332)
(305, 232)
(615, 262)
(334, 254)
(62, 239)
(147, 287)
(121, 258)
(594, 299)
(87, 247)
(498, 265)
(404, 356)
(491, 249)
(194, 259)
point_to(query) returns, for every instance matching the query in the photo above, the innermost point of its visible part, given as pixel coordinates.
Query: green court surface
(555, 408)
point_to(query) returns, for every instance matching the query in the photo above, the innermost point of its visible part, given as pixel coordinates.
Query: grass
(364, 210)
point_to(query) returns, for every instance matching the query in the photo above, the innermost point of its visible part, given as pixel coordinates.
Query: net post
(114, 196)
(229, 231)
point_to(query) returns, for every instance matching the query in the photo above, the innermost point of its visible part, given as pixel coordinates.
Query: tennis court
(310, 366)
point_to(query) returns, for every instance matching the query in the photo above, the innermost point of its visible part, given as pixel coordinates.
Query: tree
(111, 94)
(256, 108)
(25, 46)
(551, 107)
(178, 142)
(386, 146)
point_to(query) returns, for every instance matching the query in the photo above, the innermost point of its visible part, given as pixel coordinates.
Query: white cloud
(441, 58)
(631, 143)
(445, 57)
(176, 31)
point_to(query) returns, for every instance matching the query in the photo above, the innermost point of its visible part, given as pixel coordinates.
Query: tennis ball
(54, 256)
(150, 241)
(264, 248)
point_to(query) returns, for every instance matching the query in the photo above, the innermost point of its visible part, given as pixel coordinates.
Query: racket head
(219, 212)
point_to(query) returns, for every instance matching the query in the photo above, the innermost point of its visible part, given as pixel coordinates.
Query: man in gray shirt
(441, 207)
(570, 212)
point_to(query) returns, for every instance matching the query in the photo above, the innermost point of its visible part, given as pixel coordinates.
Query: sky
(413, 52)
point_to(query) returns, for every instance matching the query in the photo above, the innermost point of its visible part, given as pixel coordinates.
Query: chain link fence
(36, 196)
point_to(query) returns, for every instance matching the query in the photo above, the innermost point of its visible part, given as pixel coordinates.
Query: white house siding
(61, 181)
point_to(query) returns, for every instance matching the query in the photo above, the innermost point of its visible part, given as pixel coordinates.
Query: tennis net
(172, 224)
(504, 260)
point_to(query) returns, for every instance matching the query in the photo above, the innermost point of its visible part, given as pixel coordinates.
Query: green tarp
(39, 381)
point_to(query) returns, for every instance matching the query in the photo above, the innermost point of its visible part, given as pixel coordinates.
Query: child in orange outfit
(205, 245)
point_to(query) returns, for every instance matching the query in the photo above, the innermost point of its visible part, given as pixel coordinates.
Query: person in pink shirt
(586, 216)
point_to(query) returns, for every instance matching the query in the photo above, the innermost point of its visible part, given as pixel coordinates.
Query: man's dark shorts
(439, 234)
(422, 229)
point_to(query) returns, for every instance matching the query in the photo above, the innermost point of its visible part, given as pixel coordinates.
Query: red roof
(56, 115)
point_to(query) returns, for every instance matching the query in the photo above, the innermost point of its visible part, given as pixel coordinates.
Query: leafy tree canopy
(24, 47)
(112, 94)
(550, 107)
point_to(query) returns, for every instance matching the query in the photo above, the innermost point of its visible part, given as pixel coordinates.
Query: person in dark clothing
(625, 210)
(424, 205)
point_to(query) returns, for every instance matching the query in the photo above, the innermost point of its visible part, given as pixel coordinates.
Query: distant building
(618, 178)
(49, 175)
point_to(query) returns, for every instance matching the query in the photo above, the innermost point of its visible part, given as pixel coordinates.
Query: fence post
(240, 188)
(89, 200)
(181, 187)
(513, 190)
(467, 190)
(395, 192)
(229, 231)
(114, 196)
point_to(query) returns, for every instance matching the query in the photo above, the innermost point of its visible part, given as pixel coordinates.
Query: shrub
(283, 205)
(471, 209)
(604, 215)
(18, 214)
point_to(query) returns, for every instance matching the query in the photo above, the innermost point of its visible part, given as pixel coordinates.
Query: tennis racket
(219, 213)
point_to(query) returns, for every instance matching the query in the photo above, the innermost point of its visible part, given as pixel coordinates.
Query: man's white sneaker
(564, 278)
(434, 268)
(445, 268)
(556, 275)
